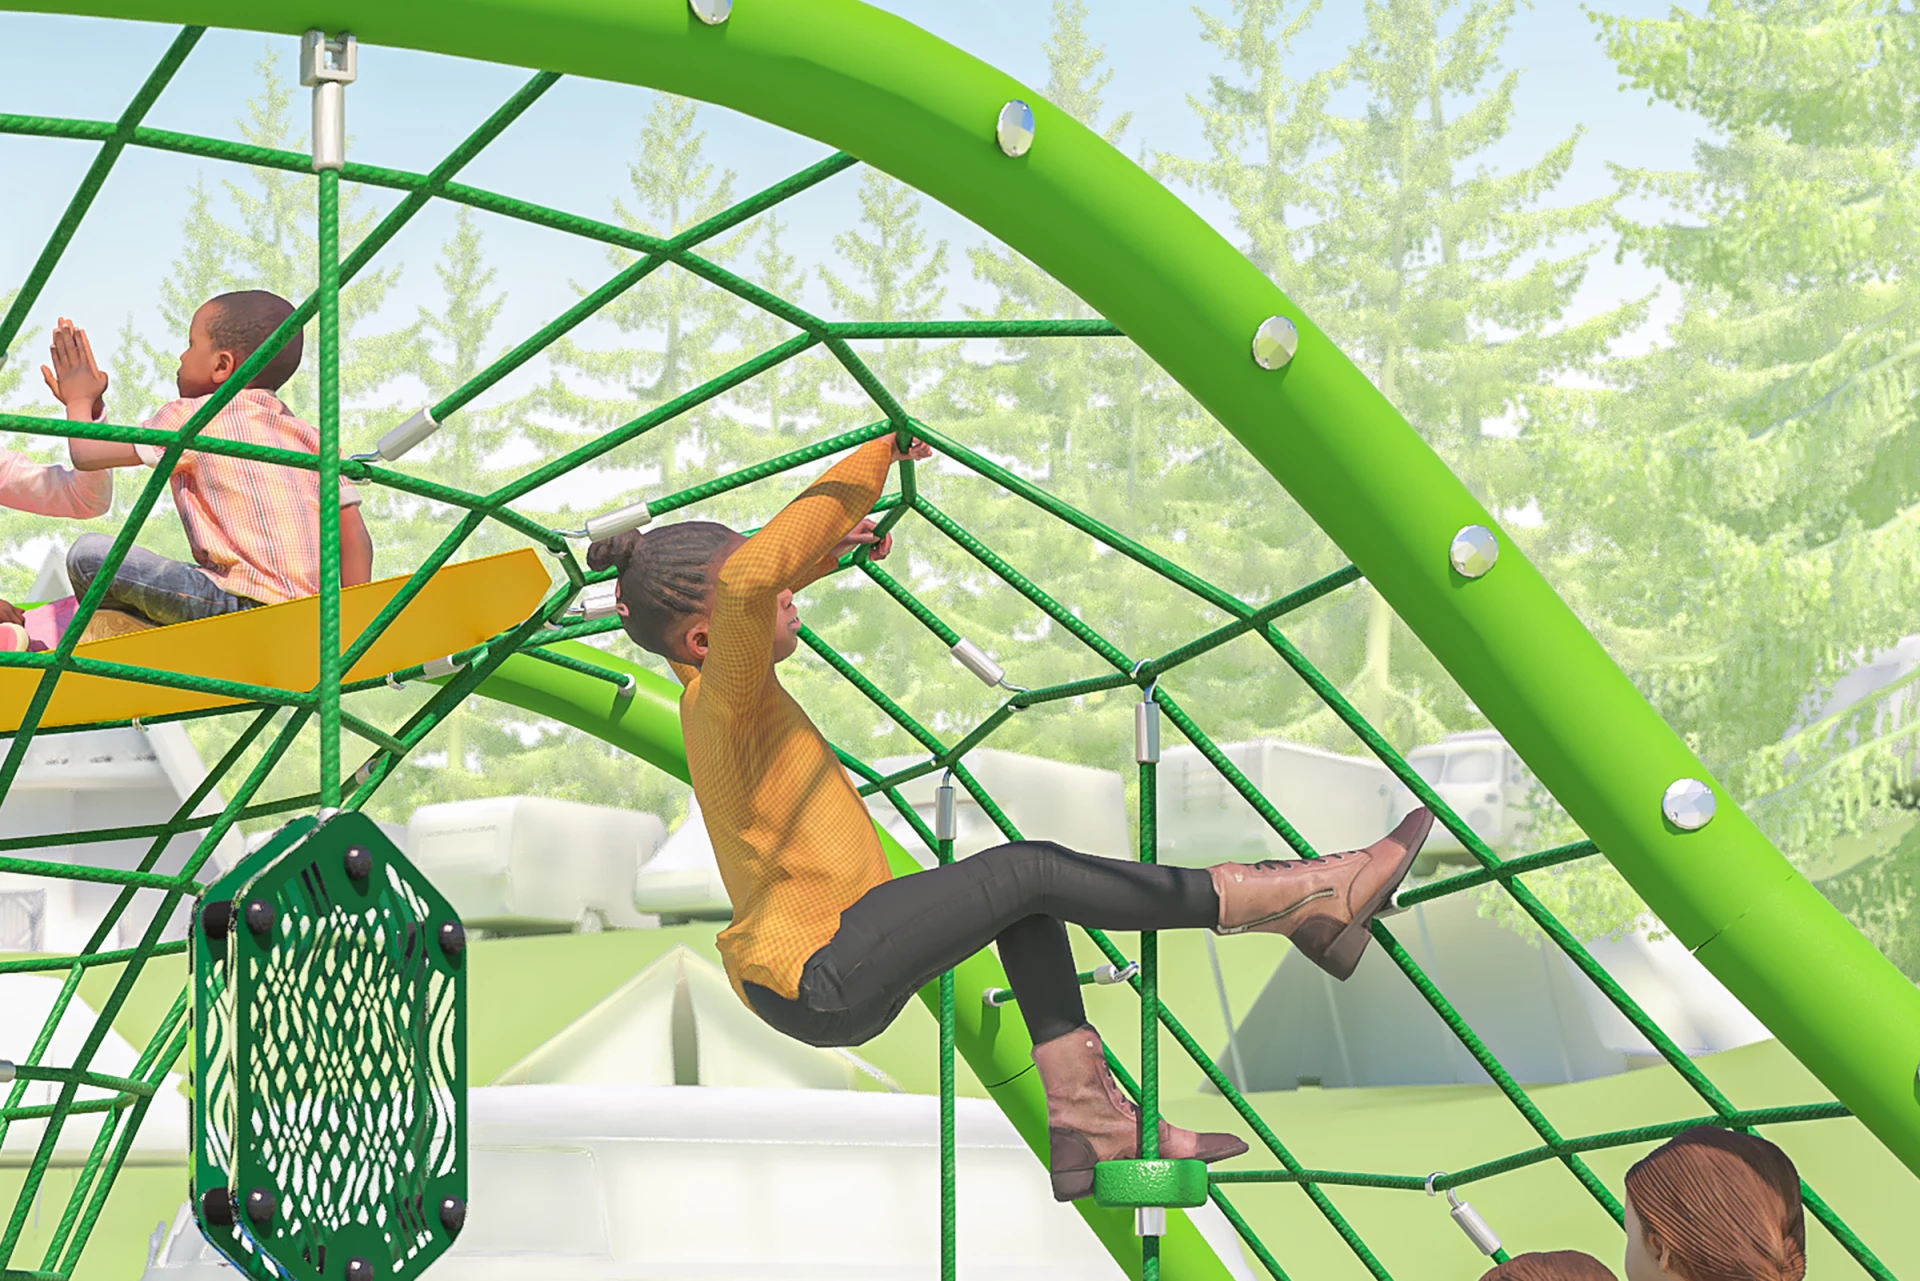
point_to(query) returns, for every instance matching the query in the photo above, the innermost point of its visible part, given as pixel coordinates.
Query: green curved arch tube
(907, 103)
(994, 1044)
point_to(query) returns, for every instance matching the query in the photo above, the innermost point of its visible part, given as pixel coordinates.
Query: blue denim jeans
(160, 590)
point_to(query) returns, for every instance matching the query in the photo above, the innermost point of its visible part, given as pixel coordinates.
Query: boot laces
(1280, 864)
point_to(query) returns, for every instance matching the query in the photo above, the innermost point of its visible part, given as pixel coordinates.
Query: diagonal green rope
(113, 145)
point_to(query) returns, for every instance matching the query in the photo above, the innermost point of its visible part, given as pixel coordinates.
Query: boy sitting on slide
(253, 527)
(826, 945)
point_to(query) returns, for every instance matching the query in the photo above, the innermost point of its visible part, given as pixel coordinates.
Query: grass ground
(525, 990)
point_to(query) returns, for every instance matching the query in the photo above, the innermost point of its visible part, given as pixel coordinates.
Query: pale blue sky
(573, 148)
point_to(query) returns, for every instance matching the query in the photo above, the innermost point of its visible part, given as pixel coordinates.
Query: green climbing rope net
(340, 787)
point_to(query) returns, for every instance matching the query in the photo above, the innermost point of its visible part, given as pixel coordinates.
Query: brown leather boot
(1089, 1120)
(1326, 904)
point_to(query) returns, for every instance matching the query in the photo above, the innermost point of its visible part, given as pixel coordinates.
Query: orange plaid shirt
(795, 844)
(253, 527)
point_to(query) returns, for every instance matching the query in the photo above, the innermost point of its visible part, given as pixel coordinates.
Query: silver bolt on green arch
(1014, 129)
(1473, 551)
(1688, 804)
(1275, 342)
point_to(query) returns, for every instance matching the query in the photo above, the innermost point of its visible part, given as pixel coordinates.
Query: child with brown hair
(253, 527)
(1715, 1205)
(1551, 1265)
(826, 945)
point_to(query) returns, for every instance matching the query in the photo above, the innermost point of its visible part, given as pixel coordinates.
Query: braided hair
(665, 576)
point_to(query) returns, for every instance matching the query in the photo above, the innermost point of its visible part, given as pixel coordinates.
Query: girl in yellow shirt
(826, 946)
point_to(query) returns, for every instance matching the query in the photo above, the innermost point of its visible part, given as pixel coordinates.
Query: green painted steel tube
(992, 1039)
(880, 89)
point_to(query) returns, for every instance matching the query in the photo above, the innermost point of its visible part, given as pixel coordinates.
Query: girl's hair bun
(615, 552)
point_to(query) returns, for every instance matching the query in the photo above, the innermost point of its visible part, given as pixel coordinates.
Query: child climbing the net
(825, 945)
(253, 527)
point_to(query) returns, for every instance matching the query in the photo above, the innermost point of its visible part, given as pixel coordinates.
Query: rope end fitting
(402, 438)
(975, 660)
(1484, 1238)
(6, 1071)
(1146, 724)
(618, 521)
(597, 601)
(328, 64)
(943, 824)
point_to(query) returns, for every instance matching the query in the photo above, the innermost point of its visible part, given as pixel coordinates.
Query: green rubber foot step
(1131, 1184)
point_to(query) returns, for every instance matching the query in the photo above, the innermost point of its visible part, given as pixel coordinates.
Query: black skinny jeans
(900, 936)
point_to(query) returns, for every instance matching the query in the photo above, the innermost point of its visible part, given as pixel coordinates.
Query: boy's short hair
(241, 322)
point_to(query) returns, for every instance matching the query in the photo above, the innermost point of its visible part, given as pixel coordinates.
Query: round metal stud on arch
(1688, 804)
(711, 12)
(1473, 551)
(1274, 342)
(1014, 129)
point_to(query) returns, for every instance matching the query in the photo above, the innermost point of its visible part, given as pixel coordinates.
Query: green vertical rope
(329, 687)
(1148, 756)
(949, 1174)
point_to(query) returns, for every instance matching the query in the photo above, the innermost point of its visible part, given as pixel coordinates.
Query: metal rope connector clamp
(943, 824)
(328, 66)
(597, 601)
(397, 442)
(1146, 724)
(617, 521)
(1484, 1238)
(975, 660)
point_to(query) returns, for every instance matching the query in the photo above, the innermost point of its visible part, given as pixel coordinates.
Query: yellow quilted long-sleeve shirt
(795, 844)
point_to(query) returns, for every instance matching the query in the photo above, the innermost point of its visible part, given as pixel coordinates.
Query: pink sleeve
(48, 489)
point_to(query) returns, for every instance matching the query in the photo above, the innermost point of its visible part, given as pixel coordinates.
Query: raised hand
(75, 379)
(918, 452)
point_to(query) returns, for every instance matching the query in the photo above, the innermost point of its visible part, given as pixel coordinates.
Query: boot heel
(1070, 1161)
(1071, 1185)
(1343, 957)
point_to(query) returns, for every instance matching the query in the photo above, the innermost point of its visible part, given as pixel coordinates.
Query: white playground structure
(1542, 1018)
(95, 780)
(646, 1183)
(518, 863)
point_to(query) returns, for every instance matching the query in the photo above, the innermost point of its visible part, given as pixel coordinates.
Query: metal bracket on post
(327, 66)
